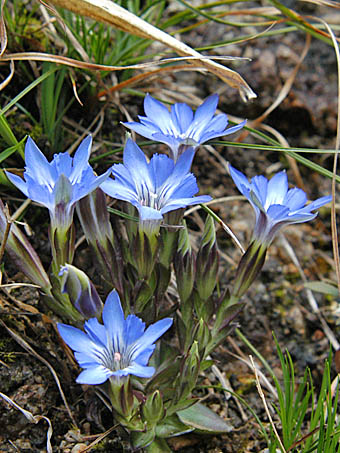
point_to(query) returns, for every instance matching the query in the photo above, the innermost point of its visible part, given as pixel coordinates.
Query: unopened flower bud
(153, 409)
(81, 291)
(207, 261)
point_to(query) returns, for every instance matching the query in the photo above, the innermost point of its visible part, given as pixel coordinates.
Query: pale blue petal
(170, 140)
(79, 341)
(217, 131)
(295, 199)
(185, 188)
(94, 375)
(141, 129)
(278, 212)
(37, 165)
(113, 318)
(134, 329)
(259, 185)
(147, 213)
(182, 116)
(18, 182)
(62, 165)
(135, 161)
(96, 331)
(157, 112)
(40, 193)
(277, 189)
(151, 334)
(183, 164)
(162, 167)
(145, 355)
(86, 360)
(149, 123)
(81, 158)
(206, 111)
(139, 370)
(184, 202)
(299, 217)
(117, 190)
(316, 204)
(215, 127)
(241, 182)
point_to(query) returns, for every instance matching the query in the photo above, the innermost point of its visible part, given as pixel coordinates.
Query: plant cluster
(163, 317)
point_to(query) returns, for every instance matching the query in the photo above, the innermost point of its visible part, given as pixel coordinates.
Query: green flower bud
(152, 409)
(207, 261)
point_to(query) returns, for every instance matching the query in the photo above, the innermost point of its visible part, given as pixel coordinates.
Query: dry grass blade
(110, 13)
(9, 77)
(3, 33)
(141, 77)
(98, 439)
(263, 398)
(32, 419)
(332, 4)
(6, 233)
(29, 349)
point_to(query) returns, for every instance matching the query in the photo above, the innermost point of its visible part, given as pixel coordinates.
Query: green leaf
(172, 427)
(142, 439)
(322, 287)
(203, 419)
(158, 446)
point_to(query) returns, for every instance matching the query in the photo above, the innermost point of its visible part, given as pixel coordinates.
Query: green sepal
(143, 292)
(172, 427)
(204, 307)
(168, 239)
(249, 267)
(187, 378)
(207, 261)
(204, 420)
(203, 337)
(163, 279)
(143, 253)
(62, 242)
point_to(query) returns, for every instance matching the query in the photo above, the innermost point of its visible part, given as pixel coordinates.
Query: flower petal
(114, 322)
(156, 111)
(139, 370)
(181, 116)
(277, 189)
(152, 333)
(94, 375)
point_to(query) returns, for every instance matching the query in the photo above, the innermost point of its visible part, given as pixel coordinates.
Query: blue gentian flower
(58, 184)
(117, 348)
(181, 127)
(275, 204)
(154, 187)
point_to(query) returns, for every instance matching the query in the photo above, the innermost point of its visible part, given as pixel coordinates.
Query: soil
(276, 303)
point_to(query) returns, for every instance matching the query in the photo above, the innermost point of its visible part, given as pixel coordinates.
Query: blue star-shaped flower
(181, 127)
(154, 187)
(274, 203)
(58, 184)
(117, 348)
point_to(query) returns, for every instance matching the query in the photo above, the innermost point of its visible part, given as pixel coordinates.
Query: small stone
(78, 448)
